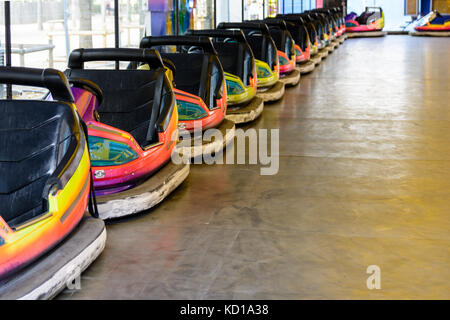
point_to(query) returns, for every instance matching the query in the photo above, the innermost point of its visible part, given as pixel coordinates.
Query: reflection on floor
(364, 180)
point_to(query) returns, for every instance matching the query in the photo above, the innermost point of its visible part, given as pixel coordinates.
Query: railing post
(8, 44)
(50, 53)
(22, 55)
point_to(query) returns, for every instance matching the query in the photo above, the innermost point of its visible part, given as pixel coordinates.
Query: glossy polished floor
(364, 180)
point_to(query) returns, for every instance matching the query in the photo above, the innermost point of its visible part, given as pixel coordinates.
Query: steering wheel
(254, 32)
(195, 49)
(229, 40)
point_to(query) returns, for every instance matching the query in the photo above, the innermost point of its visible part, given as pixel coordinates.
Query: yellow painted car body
(266, 76)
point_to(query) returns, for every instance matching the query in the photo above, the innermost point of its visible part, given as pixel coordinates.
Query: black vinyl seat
(34, 138)
(258, 38)
(330, 17)
(198, 69)
(128, 98)
(41, 144)
(133, 100)
(280, 35)
(189, 70)
(297, 27)
(266, 53)
(319, 27)
(235, 59)
(368, 17)
(300, 35)
(283, 43)
(234, 53)
(313, 26)
(312, 32)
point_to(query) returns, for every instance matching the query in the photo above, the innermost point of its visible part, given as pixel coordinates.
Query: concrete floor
(364, 180)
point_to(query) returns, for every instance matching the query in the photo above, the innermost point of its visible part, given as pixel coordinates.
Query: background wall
(296, 6)
(25, 12)
(443, 6)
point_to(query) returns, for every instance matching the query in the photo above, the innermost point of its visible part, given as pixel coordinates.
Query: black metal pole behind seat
(264, 9)
(215, 14)
(177, 12)
(116, 28)
(8, 44)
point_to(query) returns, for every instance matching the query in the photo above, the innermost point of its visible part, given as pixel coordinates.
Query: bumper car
(322, 36)
(334, 27)
(200, 90)
(369, 24)
(46, 237)
(132, 123)
(315, 34)
(265, 51)
(327, 31)
(433, 24)
(286, 50)
(239, 66)
(340, 18)
(297, 27)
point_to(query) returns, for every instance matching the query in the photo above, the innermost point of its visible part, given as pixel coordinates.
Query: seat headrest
(53, 80)
(201, 41)
(79, 56)
(237, 35)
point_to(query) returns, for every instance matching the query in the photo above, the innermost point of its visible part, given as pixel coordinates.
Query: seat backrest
(263, 46)
(305, 24)
(234, 53)
(278, 37)
(197, 73)
(283, 40)
(319, 27)
(236, 58)
(198, 70)
(190, 67)
(256, 42)
(34, 137)
(231, 57)
(258, 38)
(133, 100)
(364, 17)
(129, 99)
(441, 19)
(312, 32)
(299, 33)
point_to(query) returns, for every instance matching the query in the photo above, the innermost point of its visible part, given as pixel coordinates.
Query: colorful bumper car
(327, 31)
(46, 237)
(298, 29)
(322, 36)
(286, 50)
(200, 90)
(315, 34)
(238, 63)
(132, 122)
(340, 18)
(433, 24)
(326, 25)
(266, 58)
(369, 24)
(333, 25)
